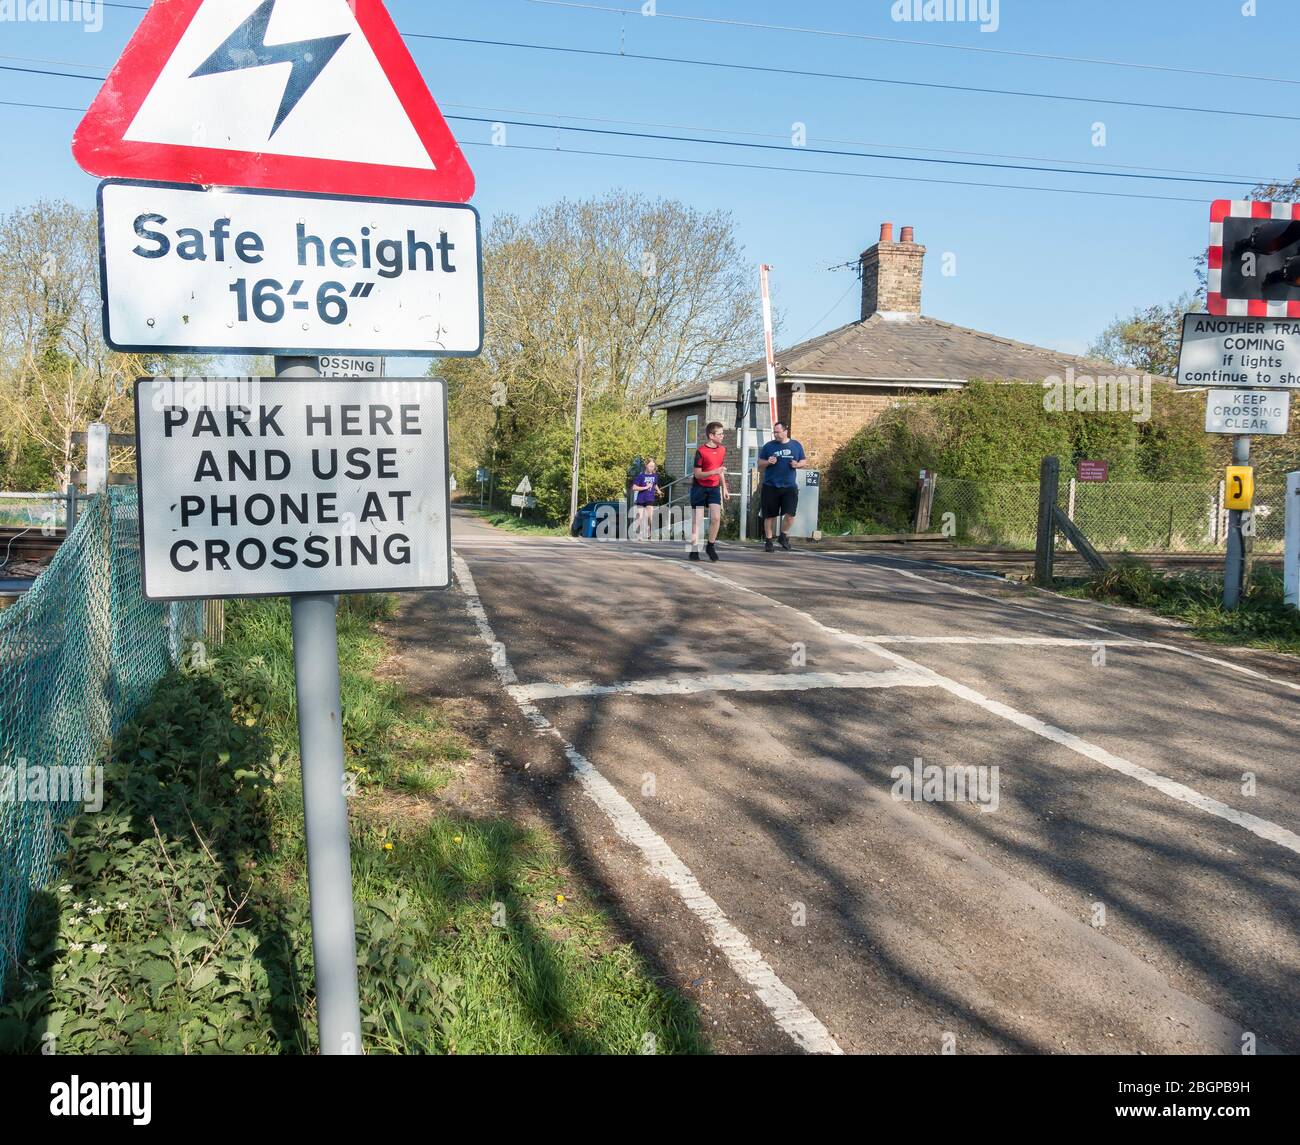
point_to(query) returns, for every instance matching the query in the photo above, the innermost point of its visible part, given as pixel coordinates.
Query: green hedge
(993, 433)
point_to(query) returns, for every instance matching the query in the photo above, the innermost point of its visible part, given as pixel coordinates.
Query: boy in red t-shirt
(709, 489)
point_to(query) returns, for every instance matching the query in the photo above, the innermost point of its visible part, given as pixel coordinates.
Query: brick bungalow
(830, 387)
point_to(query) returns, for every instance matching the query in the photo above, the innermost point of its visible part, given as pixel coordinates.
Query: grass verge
(179, 922)
(1262, 620)
(511, 522)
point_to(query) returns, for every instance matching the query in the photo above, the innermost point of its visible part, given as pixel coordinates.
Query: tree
(611, 437)
(52, 399)
(56, 373)
(1148, 340)
(49, 285)
(660, 294)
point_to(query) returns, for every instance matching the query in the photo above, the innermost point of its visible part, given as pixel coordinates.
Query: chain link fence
(79, 652)
(1116, 516)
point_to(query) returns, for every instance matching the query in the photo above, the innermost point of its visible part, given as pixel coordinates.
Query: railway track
(28, 546)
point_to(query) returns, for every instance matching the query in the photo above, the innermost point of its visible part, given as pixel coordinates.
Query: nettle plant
(170, 929)
(157, 937)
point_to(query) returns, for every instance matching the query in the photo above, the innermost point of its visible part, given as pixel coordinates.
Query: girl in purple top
(645, 490)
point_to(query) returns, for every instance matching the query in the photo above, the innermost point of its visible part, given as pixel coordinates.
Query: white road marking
(1257, 825)
(1191, 654)
(1025, 641)
(790, 1013)
(725, 682)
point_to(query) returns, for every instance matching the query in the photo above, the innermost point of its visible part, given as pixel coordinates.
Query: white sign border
(371, 591)
(277, 351)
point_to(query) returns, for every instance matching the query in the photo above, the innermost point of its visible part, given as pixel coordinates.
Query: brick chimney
(891, 274)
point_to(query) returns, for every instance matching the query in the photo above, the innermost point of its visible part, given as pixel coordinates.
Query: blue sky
(1045, 268)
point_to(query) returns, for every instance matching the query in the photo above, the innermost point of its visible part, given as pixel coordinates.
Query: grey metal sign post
(325, 805)
(1234, 578)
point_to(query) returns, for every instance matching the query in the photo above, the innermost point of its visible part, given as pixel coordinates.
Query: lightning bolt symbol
(246, 47)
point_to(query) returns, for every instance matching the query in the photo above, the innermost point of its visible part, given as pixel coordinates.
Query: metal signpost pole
(1291, 573)
(768, 345)
(577, 439)
(1235, 574)
(329, 858)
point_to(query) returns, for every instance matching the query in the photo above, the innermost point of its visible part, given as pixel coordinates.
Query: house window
(692, 444)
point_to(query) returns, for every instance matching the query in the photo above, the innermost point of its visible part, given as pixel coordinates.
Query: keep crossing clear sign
(259, 272)
(259, 487)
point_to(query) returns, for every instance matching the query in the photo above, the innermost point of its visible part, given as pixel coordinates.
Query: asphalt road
(725, 745)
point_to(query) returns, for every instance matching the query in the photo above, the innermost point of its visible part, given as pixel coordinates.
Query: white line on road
(1264, 828)
(789, 1012)
(725, 682)
(1026, 641)
(1191, 654)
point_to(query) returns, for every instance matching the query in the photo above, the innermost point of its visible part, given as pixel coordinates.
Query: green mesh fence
(1116, 516)
(78, 654)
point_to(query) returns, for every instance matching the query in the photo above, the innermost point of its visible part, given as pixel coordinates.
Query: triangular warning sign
(288, 95)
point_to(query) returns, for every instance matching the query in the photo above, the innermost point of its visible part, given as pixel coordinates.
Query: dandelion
(560, 899)
(456, 839)
(388, 846)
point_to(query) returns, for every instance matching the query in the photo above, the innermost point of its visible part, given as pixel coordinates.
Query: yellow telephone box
(1240, 487)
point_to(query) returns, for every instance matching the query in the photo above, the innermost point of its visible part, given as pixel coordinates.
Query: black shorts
(702, 495)
(780, 502)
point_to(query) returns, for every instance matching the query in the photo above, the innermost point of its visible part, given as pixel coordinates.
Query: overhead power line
(1252, 179)
(845, 76)
(804, 73)
(845, 174)
(842, 35)
(792, 150)
(660, 137)
(774, 167)
(860, 143)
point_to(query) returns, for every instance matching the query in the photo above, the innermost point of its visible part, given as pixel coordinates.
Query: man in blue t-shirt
(777, 461)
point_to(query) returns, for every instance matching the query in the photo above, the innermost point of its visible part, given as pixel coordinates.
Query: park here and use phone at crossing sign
(270, 487)
(188, 270)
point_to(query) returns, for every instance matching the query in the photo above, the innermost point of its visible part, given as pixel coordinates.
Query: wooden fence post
(1049, 484)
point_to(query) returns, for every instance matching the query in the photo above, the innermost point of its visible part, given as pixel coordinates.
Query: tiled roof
(915, 348)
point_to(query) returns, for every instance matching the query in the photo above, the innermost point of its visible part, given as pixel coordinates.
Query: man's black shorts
(704, 495)
(780, 502)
